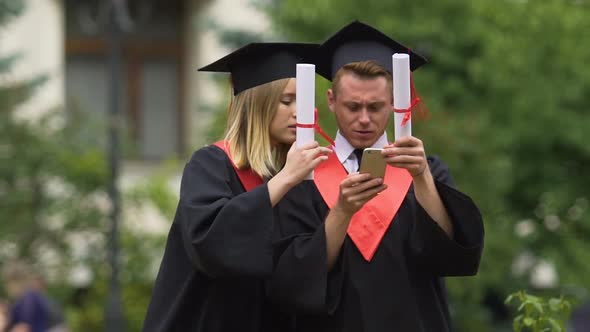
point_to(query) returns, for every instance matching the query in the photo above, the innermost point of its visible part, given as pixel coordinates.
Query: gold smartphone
(373, 163)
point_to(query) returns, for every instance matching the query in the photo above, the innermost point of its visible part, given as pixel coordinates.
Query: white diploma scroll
(401, 93)
(305, 89)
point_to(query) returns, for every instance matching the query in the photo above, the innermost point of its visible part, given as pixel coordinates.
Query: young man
(361, 254)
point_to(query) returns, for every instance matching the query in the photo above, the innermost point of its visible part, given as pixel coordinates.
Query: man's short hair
(364, 70)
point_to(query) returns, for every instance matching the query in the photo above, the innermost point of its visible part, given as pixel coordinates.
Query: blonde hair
(248, 129)
(364, 70)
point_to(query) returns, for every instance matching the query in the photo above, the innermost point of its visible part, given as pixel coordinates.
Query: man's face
(362, 108)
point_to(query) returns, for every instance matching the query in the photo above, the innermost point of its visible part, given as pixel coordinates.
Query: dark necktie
(359, 156)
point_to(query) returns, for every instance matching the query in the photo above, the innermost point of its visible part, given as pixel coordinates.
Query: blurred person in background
(30, 309)
(580, 320)
(56, 318)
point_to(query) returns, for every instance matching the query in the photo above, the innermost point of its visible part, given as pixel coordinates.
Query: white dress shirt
(345, 154)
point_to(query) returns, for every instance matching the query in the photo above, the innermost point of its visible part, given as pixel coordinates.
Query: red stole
(249, 178)
(369, 224)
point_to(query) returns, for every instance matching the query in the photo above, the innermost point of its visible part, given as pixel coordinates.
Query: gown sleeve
(435, 251)
(300, 280)
(225, 231)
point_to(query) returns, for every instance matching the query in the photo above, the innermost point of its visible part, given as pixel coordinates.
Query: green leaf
(517, 323)
(555, 326)
(509, 299)
(555, 304)
(538, 306)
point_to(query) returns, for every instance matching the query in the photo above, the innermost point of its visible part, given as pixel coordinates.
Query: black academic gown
(218, 251)
(400, 289)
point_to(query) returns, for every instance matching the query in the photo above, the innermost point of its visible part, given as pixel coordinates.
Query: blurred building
(163, 97)
(166, 105)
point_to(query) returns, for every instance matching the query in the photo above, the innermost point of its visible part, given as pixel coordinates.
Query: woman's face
(282, 126)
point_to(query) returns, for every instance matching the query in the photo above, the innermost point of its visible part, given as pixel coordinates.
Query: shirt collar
(343, 148)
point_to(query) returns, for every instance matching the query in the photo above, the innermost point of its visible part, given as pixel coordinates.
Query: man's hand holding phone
(408, 153)
(357, 189)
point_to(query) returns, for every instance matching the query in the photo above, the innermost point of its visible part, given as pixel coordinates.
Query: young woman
(219, 247)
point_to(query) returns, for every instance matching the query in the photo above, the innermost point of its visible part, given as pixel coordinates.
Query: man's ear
(331, 100)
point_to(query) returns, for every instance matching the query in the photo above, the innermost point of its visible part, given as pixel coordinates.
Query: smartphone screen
(373, 163)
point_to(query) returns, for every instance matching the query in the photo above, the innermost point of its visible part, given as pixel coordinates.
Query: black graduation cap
(259, 63)
(360, 42)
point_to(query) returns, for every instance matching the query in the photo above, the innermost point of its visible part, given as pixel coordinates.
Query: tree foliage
(539, 315)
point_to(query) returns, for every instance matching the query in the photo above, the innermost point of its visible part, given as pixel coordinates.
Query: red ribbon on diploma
(407, 111)
(415, 100)
(315, 125)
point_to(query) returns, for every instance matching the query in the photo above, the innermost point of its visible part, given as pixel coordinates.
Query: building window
(152, 72)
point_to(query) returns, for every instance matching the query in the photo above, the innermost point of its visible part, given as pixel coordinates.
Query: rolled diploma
(401, 93)
(305, 90)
